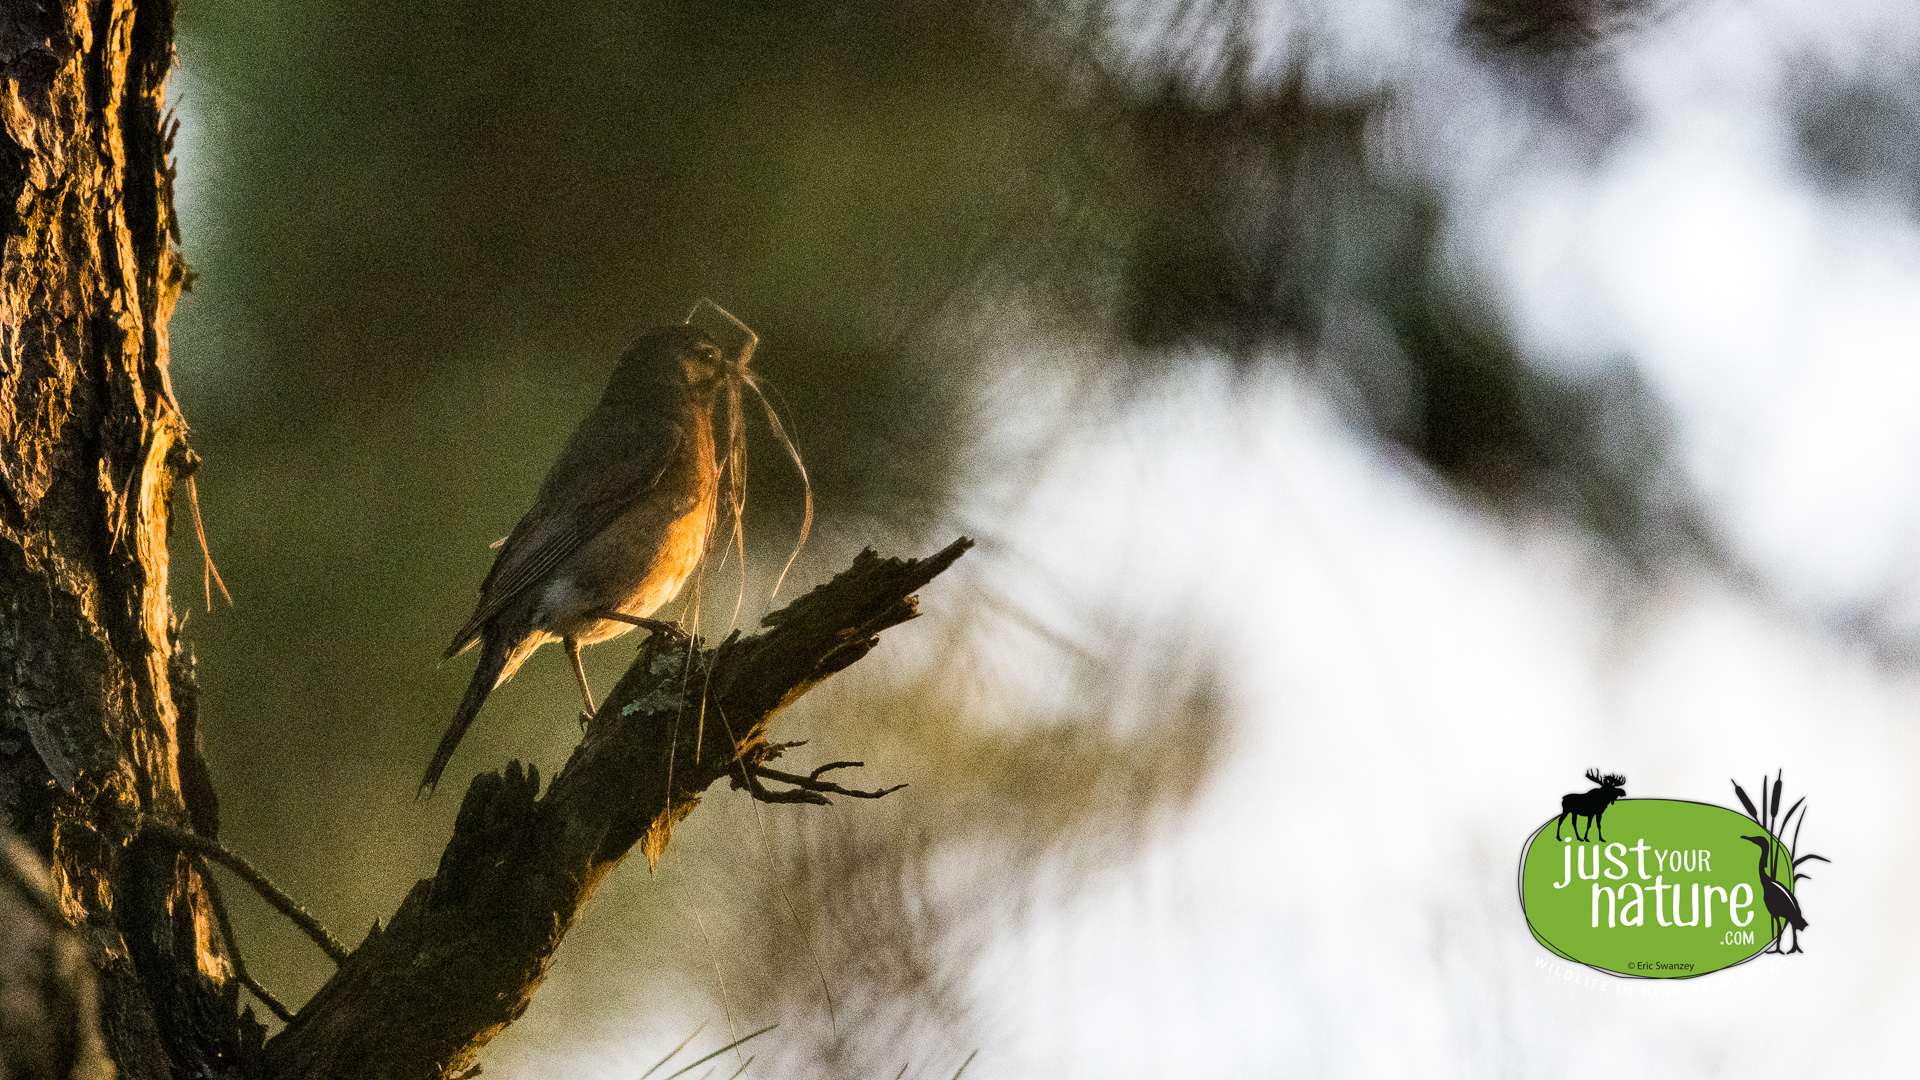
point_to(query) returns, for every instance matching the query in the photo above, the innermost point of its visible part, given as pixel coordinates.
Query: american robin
(620, 523)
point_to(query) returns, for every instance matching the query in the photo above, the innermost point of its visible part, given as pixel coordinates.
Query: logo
(1683, 888)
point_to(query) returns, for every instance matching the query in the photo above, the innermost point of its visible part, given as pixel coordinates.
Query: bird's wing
(599, 475)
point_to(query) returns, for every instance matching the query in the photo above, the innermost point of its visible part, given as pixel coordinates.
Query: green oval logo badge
(1661, 888)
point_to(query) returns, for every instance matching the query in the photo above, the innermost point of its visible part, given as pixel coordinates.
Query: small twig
(266, 996)
(806, 789)
(675, 1050)
(749, 779)
(209, 573)
(737, 1042)
(233, 944)
(195, 843)
(964, 1064)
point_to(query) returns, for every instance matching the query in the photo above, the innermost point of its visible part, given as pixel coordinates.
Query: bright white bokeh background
(1415, 687)
(1415, 684)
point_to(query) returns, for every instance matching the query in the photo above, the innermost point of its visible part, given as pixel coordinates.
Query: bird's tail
(493, 665)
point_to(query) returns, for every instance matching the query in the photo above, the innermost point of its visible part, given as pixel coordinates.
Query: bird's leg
(580, 672)
(665, 629)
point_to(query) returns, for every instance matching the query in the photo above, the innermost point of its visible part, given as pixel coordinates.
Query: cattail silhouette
(1782, 905)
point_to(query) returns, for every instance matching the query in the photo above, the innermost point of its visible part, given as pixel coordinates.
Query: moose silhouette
(1591, 804)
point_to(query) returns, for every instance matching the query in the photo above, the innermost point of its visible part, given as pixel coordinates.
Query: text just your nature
(1626, 904)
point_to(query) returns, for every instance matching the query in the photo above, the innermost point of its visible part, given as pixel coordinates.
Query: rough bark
(466, 950)
(95, 734)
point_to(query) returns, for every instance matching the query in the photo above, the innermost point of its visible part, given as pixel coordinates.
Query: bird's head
(703, 364)
(1763, 842)
(667, 359)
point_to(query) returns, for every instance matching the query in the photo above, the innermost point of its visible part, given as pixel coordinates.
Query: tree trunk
(96, 717)
(101, 775)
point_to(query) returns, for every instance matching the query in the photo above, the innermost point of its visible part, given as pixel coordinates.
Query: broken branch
(466, 950)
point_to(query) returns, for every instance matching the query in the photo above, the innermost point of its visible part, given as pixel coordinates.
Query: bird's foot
(660, 627)
(669, 630)
(803, 789)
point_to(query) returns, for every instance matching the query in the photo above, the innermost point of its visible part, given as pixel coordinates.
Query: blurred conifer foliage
(1858, 133)
(396, 198)
(1543, 28)
(1271, 229)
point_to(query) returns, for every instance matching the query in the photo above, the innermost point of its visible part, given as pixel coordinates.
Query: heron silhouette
(1780, 903)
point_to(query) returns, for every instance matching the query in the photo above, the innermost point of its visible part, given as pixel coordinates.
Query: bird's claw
(660, 627)
(669, 630)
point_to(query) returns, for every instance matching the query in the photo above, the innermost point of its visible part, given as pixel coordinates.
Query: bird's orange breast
(644, 557)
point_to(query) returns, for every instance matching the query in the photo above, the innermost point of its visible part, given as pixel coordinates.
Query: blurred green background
(421, 233)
